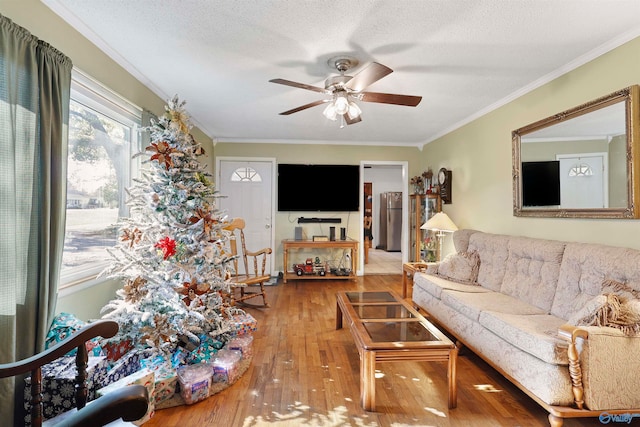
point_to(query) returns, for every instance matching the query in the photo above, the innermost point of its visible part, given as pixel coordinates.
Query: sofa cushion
(461, 267)
(472, 304)
(584, 270)
(434, 285)
(493, 251)
(532, 270)
(537, 334)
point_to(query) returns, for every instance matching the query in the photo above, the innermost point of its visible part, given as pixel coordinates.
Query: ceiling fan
(344, 90)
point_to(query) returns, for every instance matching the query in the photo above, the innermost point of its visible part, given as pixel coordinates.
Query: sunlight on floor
(434, 411)
(299, 416)
(488, 388)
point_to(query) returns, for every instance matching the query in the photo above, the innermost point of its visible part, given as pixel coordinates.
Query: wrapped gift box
(143, 377)
(226, 366)
(243, 344)
(58, 385)
(206, 351)
(64, 325)
(241, 324)
(126, 365)
(166, 377)
(195, 381)
(114, 350)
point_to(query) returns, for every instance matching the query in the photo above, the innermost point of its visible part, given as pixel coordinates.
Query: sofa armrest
(571, 333)
(602, 361)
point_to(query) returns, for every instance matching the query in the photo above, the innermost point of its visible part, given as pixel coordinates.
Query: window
(103, 136)
(246, 174)
(580, 169)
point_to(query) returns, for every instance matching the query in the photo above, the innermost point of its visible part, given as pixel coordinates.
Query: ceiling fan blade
(303, 107)
(298, 85)
(350, 121)
(390, 98)
(367, 76)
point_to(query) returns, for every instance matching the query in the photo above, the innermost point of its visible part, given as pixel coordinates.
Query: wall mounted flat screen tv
(541, 183)
(318, 188)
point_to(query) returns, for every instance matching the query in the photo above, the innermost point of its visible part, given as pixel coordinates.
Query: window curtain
(35, 81)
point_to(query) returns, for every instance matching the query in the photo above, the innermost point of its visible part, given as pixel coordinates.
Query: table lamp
(441, 224)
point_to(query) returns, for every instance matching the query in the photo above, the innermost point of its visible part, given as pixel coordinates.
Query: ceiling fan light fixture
(330, 112)
(341, 104)
(354, 111)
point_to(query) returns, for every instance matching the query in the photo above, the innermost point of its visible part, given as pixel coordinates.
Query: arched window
(580, 169)
(245, 174)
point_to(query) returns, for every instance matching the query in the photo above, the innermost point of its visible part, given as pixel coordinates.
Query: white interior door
(247, 187)
(583, 182)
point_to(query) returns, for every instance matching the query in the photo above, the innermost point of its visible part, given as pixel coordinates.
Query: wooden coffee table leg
(338, 316)
(451, 375)
(368, 380)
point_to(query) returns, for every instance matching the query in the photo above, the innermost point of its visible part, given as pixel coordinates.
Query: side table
(408, 270)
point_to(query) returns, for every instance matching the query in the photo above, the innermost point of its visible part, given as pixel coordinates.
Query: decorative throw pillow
(460, 267)
(610, 310)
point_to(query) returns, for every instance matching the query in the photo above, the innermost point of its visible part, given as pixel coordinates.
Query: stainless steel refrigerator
(390, 221)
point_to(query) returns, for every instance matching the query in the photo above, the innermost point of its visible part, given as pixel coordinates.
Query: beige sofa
(516, 301)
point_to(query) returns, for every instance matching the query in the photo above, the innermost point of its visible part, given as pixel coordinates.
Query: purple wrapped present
(243, 344)
(226, 366)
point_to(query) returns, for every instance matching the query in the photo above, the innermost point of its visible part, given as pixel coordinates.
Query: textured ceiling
(463, 57)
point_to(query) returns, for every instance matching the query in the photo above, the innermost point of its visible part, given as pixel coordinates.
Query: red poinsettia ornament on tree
(168, 247)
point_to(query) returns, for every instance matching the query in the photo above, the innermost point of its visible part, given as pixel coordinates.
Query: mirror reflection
(577, 163)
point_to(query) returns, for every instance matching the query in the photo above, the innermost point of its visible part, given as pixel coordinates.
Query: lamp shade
(440, 222)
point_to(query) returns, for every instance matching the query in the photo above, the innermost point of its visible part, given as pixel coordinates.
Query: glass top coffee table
(386, 328)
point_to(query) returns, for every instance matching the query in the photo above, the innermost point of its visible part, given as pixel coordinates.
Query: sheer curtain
(35, 81)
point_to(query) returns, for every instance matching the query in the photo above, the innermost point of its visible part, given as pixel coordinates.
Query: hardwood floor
(306, 373)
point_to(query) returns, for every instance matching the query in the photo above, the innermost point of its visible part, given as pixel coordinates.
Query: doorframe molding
(405, 208)
(273, 162)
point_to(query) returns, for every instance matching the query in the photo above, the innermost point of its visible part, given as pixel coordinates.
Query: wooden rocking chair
(255, 264)
(116, 408)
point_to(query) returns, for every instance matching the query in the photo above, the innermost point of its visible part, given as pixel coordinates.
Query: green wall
(479, 154)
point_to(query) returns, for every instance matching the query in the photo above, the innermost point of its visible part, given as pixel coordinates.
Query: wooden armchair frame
(129, 403)
(255, 264)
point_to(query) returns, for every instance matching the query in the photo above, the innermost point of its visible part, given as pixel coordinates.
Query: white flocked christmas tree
(170, 253)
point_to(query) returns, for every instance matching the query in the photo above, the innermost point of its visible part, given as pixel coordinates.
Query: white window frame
(91, 93)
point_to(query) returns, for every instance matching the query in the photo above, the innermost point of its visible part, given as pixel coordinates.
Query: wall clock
(444, 181)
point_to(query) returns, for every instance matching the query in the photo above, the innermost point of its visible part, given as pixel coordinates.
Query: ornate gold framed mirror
(580, 163)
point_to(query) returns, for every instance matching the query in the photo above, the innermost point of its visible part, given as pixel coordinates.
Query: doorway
(384, 176)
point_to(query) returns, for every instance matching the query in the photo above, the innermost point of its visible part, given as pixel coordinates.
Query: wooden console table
(287, 245)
